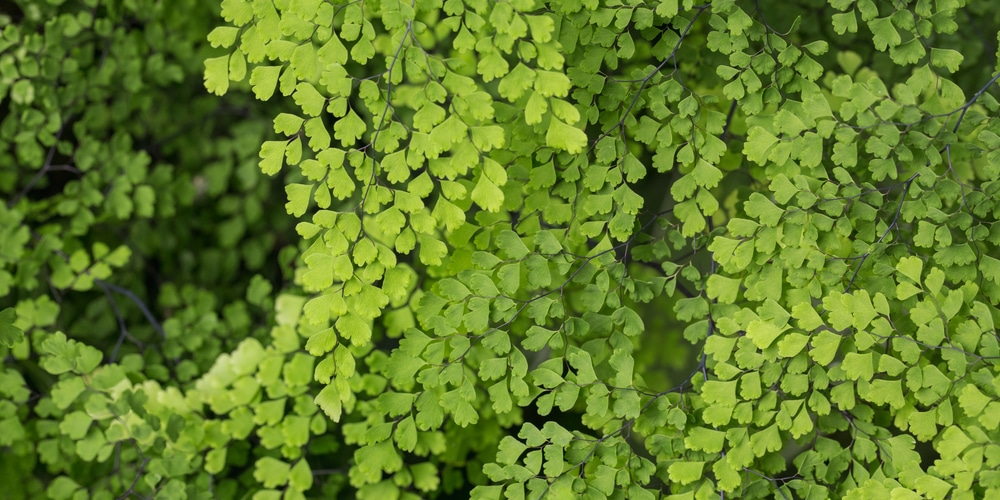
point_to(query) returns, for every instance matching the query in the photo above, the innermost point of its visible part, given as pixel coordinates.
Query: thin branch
(385, 112)
(975, 97)
(138, 473)
(729, 120)
(892, 224)
(46, 166)
(124, 333)
(137, 301)
(645, 81)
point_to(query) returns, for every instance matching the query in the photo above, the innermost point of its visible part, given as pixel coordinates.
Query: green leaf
(759, 144)
(215, 460)
(885, 34)
(817, 48)
(952, 443)
(723, 289)
(298, 372)
(9, 334)
(551, 84)
(263, 81)
(685, 472)
(406, 434)
(238, 12)
(333, 51)
(63, 488)
(298, 198)
(487, 195)
(309, 99)
(516, 82)
(706, 174)
(761, 208)
(75, 425)
(790, 345)
(535, 110)
(667, 9)
(317, 132)
(300, 477)
(272, 155)
(512, 244)
(763, 333)
(565, 137)
(287, 124)
(824, 347)
(538, 338)
(217, 75)
(707, 440)
(859, 366)
(223, 36)
(807, 317)
(988, 266)
(352, 327)
(65, 392)
(972, 400)
(271, 472)
(510, 450)
(329, 401)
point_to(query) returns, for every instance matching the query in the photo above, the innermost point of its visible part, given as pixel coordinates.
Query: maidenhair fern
(560, 249)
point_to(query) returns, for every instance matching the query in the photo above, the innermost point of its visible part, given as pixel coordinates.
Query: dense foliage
(559, 249)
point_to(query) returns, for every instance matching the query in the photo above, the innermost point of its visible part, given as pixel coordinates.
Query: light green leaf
(217, 75)
(271, 472)
(685, 472)
(223, 36)
(565, 137)
(263, 80)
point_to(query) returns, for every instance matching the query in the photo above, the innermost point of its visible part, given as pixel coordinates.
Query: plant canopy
(499, 249)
